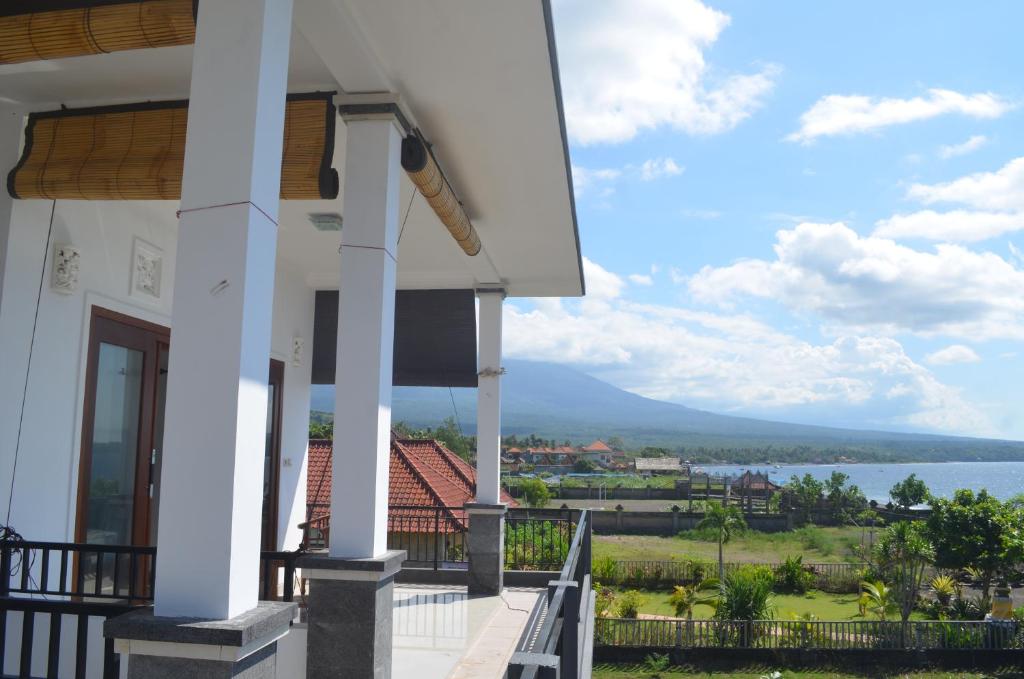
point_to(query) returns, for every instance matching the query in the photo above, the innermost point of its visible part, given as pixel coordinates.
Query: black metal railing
(638, 573)
(554, 642)
(533, 543)
(432, 536)
(77, 586)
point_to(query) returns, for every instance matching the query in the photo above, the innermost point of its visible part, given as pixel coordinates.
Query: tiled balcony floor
(442, 633)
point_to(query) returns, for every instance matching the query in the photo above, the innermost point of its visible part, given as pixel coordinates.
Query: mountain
(559, 402)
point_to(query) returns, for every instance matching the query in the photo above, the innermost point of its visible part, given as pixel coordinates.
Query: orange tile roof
(597, 447)
(423, 474)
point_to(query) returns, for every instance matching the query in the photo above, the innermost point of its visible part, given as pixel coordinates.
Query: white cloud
(974, 143)
(838, 114)
(955, 225)
(677, 276)
(1016, 254)
(955, 353)
(656, 168)
(734, 362)
(640, 279)
(585, 179)
(999, 190)
(632, 65)
(874, 284)
(993, 204)
(601, 283)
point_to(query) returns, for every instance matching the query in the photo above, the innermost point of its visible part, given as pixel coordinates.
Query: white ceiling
(476, 77)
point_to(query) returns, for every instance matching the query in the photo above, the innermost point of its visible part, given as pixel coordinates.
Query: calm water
(1002, 479)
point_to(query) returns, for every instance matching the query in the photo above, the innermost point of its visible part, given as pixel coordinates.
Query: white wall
(46, 480)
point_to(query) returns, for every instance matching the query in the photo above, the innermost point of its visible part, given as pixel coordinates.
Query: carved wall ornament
(147, 271)
(66, 261)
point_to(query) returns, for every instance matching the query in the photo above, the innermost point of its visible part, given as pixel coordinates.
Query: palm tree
(725, 521)
(687, 597)
(877, 598)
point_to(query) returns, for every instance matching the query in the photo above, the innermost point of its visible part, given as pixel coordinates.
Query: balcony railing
(556, 640)
(75, 584)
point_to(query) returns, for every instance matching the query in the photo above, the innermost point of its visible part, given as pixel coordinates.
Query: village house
(209, 206)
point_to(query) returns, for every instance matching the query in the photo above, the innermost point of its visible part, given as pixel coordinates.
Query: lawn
(818, 545)
(638, 672)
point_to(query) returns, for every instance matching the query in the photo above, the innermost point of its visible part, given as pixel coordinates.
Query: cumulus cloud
(955, 353)
(974, 143)
(586, 179)
(874, 284)
(992, 204)
(641, 279)
(735, 362)
(838, 114)
(632, 65)
(656, 168)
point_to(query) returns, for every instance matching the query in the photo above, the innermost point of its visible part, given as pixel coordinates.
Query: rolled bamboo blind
(49, 29)
(137, 152)
(421, 167)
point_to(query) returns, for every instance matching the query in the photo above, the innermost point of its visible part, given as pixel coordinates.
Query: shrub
(656, 663)
(792, 577)
(962, 608)
(944, 587)
(842, 582)
(628, 604)
(747, 595)
(606, 569)
(814, 538)
(604, 602)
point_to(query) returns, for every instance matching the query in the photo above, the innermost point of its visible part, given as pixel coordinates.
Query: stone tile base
(486, 548)
(244, 647)
(350, 610)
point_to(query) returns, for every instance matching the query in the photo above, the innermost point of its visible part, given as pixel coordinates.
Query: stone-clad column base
(244, 647)
(486, 547)
(349, 614)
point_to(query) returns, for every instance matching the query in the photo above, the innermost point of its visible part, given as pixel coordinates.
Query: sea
(1001, 479)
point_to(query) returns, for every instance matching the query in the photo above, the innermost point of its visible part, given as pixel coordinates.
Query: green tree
(976, 531)
(904, 551)
(804, 495)
(616, 443)
(877, 598)
(321, 430)
(725, 522)
(583, 466)
(535, 492)
(845, 501)
(687, 597)
(909, 492)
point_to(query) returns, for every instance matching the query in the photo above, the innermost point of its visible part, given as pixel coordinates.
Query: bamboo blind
(138, 152)
(95, 29)
(421, 167)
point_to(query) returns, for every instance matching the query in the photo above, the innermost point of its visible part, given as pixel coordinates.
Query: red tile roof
(597, 447)
(423, 473)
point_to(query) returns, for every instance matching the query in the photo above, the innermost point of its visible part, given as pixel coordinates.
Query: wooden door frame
(140, 528)
(275, 377)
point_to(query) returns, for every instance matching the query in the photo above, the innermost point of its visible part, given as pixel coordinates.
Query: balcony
(56, 596)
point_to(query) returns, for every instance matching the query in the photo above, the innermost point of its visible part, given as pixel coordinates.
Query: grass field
(822, 545)
(639, 672)
(787, 606)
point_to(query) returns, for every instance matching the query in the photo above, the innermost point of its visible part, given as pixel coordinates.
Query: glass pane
(115, 441)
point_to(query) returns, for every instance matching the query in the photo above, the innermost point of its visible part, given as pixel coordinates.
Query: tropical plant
(628, 603)
(535, 492)
(877, 599)
(746, 595)
(606, 569)
(909, 492)
(944, 587)
(792, 577)
(656, 663)
(604, 601)
(687, 597)
(905, 552)
(724, 522)
(804, 494)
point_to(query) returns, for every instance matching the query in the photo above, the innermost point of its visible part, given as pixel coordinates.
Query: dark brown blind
(435, 338)
(137, 152)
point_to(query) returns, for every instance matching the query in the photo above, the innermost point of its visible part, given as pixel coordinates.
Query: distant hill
(560, 402)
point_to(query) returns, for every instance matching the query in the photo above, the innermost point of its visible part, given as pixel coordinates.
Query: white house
(183, 178)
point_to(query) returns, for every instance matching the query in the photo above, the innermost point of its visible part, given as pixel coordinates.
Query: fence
(811, 635)
(431, 536)
(91, 583)
(537, 543)
(837, 576)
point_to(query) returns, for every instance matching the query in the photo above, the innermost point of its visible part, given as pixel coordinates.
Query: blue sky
(806, 211)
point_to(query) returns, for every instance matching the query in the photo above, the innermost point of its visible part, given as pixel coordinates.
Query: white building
(161, 251)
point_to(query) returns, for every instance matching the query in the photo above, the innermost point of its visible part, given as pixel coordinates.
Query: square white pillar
(11, 124)
(488, 397)
(212, 474)
(366, 328)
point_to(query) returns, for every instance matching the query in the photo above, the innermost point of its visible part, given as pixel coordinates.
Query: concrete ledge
(321, 566)
(265, 622)
(484, 508)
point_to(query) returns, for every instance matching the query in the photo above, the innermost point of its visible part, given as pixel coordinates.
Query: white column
(366, 329)
(11, 124)
(212, 477)
(488, 398)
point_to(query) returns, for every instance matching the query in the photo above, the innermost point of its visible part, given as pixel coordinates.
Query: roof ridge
(455, 462)
(416, 466)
